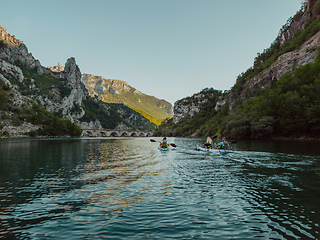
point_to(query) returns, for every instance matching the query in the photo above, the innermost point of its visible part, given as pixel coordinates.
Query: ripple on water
(125, 188)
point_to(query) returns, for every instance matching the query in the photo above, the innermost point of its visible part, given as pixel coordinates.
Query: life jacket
(164, 144)
(224, 145)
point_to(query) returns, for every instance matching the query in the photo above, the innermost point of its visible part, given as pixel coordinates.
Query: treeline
(288, 108)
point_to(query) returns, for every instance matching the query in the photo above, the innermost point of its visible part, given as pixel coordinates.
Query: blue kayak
(163, 149)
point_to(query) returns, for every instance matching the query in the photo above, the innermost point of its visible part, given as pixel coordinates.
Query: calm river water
(125, 188)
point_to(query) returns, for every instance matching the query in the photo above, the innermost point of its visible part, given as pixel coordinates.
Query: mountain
(117, 91)
(38, 100)
(277, 97)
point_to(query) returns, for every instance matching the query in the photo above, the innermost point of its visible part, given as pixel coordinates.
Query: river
(125, 188)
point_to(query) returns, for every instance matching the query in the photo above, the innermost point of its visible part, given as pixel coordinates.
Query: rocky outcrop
(74, 100)
(59, 90)
(58, 68)
(10, 71)
(307, 53)
(186, 108)
(190, 106)
(14, 55)
(295, 25)
(17, 52)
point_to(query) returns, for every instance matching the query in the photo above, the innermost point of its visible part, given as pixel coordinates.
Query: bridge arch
(113, 134)
(103, 134)
(124, 134)
(88, 133)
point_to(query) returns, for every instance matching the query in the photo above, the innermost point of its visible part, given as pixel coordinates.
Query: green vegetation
(110, 115)
(270, 55)
(206, 122)
(150, 107)
(94, 111)
(136, 119)
(46, 85)
(35, 114)
(289, 107)
(148, 116)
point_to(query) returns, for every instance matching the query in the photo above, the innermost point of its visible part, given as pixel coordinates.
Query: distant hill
(117, 91)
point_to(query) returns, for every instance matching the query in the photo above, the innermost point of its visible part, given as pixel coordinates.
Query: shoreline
(297, 139)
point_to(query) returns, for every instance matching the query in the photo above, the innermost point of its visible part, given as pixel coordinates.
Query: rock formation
(307, 53)
(188, 107)
(17, 52)
(59, 90)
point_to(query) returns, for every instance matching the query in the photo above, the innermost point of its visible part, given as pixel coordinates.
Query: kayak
(199, 148)
(163, 149)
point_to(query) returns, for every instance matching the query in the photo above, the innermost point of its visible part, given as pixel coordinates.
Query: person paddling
(164, 143)
(208, 143)
(222, 145)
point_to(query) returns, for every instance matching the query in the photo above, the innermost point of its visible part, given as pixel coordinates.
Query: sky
(170, 49)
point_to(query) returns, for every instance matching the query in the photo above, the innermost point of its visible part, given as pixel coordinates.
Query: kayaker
(164, 143)
(222, 145)
(208, 143)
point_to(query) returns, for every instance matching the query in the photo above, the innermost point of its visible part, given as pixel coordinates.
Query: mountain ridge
(119, 91)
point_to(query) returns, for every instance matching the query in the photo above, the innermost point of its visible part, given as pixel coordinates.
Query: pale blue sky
(169, 49)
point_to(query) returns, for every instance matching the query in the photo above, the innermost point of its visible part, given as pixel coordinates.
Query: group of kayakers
(208, 144)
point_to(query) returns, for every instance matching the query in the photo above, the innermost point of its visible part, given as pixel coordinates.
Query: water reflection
(126, 188)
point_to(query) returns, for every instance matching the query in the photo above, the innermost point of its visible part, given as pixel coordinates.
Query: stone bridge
(115, 133)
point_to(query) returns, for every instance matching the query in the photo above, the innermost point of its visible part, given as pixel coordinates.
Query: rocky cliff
(186, 108)
(59, 90)
(14, 51)
(301, 56)
(291, 56)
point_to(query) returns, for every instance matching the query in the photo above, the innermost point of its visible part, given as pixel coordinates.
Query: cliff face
(14, 57)
(66, 105)
(305, 54)
(188, 107)
(59, 90)
(14, 51)
(301, 56)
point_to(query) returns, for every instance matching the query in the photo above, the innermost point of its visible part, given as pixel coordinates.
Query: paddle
(172, 144)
